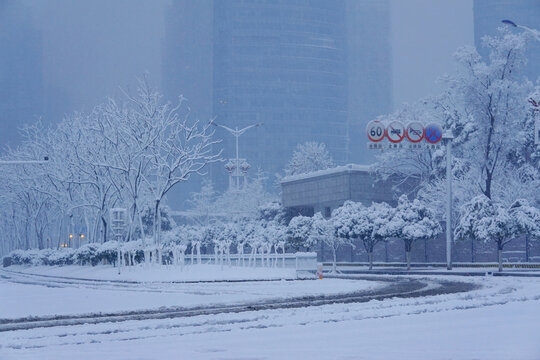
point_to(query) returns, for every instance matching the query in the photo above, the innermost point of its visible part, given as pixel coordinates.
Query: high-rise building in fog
(21, 90)
(309, 70)
(487, 18)
(282, 63)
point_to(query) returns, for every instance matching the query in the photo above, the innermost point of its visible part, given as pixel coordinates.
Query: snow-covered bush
(298, 232)
(87, 254)
(108, 251)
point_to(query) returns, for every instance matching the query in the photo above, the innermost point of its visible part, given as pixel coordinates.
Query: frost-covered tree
(351, 222)
(412, 221)
(299, 232)
(489, 108)
(493, 95)
(244, 203)
(182, 146)
(203, 203)
(526, 220)
(308, 157)
(325, 231)
(484, 220)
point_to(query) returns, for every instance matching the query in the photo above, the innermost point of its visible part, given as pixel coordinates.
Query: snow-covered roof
(334, 170)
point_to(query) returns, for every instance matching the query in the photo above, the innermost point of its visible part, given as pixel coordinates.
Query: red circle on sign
(395, 128)
(375, 126)
(433, 133)
(415, 132)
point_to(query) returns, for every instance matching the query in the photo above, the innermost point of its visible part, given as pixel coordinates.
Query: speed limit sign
(375, 131)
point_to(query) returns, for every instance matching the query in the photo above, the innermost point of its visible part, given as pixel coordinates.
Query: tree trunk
(370, 259)
(104, 228)
(157, 223)
(408, 256)
(334, 260)
(500, 260)
(141, 225)
(527, 248)
(157, 231)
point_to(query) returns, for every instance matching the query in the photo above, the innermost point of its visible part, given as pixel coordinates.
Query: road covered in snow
(440, 318)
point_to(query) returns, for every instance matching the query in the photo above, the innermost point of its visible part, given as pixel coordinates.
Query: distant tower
(487, 18)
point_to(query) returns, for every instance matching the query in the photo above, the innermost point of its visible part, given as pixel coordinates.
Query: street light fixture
(235, 165)
(535, 33)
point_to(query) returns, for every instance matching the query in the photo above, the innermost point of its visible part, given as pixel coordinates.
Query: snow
(497, 321)
(143, 273)
(334, 170)
(38, 296)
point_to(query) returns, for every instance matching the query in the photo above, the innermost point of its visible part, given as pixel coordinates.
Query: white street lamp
(236, 133)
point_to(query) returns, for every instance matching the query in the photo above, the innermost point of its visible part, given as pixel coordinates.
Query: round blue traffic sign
(433, 133)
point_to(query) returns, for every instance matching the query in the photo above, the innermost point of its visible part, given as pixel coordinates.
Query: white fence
(298, 261)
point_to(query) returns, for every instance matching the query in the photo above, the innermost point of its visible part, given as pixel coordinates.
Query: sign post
(415, 132)
(448, 137)
(118, 226)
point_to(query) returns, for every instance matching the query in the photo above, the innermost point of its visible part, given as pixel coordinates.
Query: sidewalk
(458, 269)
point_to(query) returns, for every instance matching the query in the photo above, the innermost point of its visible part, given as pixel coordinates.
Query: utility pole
(448, 137)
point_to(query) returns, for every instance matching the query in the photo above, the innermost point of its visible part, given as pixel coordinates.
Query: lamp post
(236, 133)
(535, 33)
(448, 137)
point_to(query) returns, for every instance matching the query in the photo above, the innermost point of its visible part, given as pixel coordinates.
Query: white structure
(118, 221)
(237, 167)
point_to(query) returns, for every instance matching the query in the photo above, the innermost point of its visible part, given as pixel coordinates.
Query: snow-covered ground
(38, 296)
(500, 320)
(141, 273)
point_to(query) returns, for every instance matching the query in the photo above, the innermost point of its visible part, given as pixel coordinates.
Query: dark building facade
(487, 18)
(323, 191)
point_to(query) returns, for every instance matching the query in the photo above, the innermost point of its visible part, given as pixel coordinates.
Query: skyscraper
(282, 63)
(309, 70)
(487, 18)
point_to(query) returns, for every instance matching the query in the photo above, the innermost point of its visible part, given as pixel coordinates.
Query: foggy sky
(92, 47)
